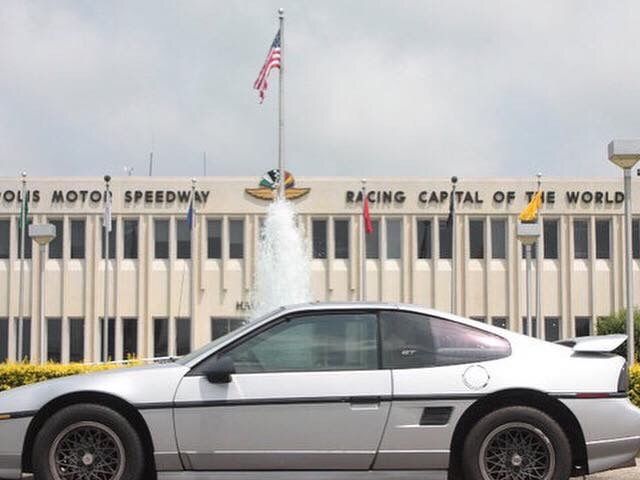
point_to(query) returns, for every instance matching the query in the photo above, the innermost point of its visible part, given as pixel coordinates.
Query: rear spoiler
(594, 344)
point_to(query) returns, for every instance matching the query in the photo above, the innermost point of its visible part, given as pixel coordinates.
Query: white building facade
(174, 287)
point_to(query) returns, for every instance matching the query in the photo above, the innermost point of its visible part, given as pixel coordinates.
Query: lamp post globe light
(42, 234)
(625, 154)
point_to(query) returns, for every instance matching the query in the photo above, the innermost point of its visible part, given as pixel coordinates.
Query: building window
(5, 228)
(131, 239)
(603, 239)
(161, 238)
(77, 239)
(373, 240)
(501, 322)
(534, 326)
(183, 336)
(478, 318)
(111, 339)
(394, 238)
(55, 245)
(26, 338)
(4, 339)
(341, 238)
(183, 236)
(129, 337)
(552, 329)
(160, 337)
(319, 235)
(550, 232)
(476, 238)
(54, 339)
(214, 238)
(112, 240)
(580, 239)
(236, 239)
(534, 251)
(28, 243)
(445, 238)
(222, 326)
(583, 326)
(76, 339)
(635, 238)
(498, 238)
(424, 238)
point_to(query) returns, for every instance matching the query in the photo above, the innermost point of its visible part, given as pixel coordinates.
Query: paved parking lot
(622, 474)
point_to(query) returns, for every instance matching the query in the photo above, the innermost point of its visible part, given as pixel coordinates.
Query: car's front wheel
(517, 442)
(87, 441)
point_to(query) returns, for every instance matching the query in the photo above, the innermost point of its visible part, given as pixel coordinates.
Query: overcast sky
(372, 87)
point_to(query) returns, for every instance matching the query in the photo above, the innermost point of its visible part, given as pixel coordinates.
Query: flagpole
(107, 230)
(454, 270)
(527, 251)
(23, 223)
(281, 186)
(539, 261)
(192, 233)
(363, 246)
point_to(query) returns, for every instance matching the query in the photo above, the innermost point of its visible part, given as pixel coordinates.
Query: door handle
(365, 402)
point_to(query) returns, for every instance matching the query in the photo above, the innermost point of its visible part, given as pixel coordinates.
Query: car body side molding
(308, 475)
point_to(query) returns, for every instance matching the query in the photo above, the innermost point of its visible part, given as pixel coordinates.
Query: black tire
(67, 438)
(514, 439)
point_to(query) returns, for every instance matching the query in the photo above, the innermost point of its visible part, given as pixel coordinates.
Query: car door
(308, 394)
(439, 368)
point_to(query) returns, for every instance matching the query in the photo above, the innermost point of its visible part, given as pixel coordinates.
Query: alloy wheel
(517, 451)
(87, 450)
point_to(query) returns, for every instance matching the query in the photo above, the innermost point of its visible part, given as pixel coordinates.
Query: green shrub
(634, 384)
(17, 374)
(616, 323)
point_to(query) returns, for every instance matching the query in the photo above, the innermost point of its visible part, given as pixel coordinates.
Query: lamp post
(625, 154)
(42, 233)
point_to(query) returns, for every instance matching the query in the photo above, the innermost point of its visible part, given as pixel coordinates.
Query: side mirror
(221, 370)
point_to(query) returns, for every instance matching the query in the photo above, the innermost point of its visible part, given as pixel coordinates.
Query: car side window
(317, 341)
(413, 340)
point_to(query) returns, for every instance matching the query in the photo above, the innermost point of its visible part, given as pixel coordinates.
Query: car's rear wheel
(87, 442)
(516, 443)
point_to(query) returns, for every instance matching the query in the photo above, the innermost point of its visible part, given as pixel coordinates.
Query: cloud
(372, 88)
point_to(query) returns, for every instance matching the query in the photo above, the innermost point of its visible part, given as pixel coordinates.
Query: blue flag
(191, 218)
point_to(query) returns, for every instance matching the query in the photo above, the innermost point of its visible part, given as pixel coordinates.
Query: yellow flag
(530, 212)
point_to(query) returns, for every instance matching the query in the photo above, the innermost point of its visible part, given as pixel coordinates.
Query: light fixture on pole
(625, 154)
(42, 234)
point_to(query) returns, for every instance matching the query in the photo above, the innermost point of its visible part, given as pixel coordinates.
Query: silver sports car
(338, 391)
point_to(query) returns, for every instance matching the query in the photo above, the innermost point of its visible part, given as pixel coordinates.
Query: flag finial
(281, 12)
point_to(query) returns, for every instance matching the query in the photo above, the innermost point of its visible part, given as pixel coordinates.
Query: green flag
(24, 212)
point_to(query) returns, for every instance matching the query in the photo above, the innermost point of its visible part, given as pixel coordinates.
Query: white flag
(106, 218)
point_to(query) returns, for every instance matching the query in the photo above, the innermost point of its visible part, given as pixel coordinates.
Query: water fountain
(282, 269)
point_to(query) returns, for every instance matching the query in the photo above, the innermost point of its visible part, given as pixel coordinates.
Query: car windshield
(220, 340)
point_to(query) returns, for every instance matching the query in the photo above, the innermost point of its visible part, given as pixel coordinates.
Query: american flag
(272, 61)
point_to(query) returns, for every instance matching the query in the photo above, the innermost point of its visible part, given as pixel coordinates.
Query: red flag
(368, 226)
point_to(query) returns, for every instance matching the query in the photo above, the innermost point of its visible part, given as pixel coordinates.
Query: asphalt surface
(622, 474)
